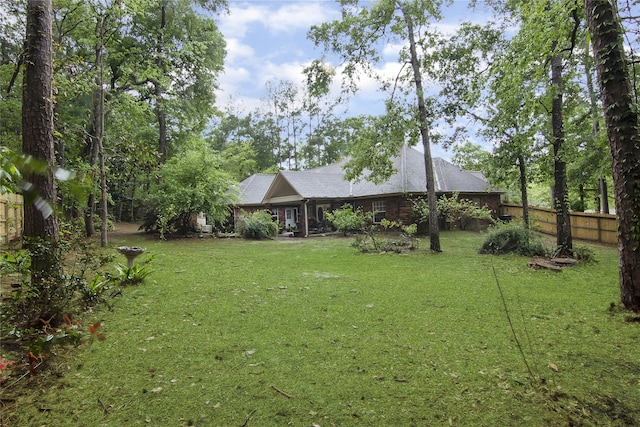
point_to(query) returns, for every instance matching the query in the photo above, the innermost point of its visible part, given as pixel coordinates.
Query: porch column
(306, 219)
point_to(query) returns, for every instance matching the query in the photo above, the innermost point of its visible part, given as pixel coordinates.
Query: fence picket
(593, 227)
(11, 217)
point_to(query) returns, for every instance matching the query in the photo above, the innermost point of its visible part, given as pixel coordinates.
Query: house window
(379, 211)
(274, 215)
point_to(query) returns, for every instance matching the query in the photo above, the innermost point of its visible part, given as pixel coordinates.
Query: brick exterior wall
(397, 208)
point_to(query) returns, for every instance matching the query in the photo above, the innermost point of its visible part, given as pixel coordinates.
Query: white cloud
(393, 49)
(296, 16)
(284, 71)
(232, 82)
(238, 104)
(236, 50)
(237, 22)
(289, 18)
(265, 41)
(232, 76)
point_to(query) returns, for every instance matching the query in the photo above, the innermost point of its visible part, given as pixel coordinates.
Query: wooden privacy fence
(594, 227)
(11, 217)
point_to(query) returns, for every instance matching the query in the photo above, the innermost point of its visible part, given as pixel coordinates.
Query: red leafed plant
(34, 362)
(5, 368)
(93, 329)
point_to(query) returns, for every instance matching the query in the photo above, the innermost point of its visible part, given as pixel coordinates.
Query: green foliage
(512, 237)
(356, 38)
(584, 253)
(239, 160)
(383, 237)
(16, 263)
(91, 283)
(94, 291)
(38, 314)
(76, 226)
(472, 157)
(40, 342)
(42, 299)
(10, 175)
(370, 237)
(191, 183)
(257, 225)
(165, 220)
(134, 275)
(346, 219)
(459, 211)
(14, 166)
(453, 209)
(375, 142)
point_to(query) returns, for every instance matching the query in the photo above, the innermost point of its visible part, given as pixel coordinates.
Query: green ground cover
(309, 332)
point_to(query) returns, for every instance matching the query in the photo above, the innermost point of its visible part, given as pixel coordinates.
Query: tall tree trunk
(93, 138)
(133, 198)
(103, 198)
(89, 227)
(595, 118)
(604, 195)
(158, 90)
(434, 231)
(100, 130)
(561, 197)
(523, 189)
(37, 139)
(621, 119)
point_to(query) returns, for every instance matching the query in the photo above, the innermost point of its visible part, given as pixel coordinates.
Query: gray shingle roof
(253, 189)
(328, 182)
(317, 185)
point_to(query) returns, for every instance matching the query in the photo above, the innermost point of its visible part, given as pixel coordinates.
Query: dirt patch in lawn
(127, 229)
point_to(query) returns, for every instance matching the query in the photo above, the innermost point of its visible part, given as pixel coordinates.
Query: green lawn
(308, 332)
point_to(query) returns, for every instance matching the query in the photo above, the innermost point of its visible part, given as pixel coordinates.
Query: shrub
(258, 225)
(347, 220)
(453, 209)
(511, 238)
(37, 301)
(191, 183)
(94, 292)
(584, 253)
(78, 286)
(37, 317)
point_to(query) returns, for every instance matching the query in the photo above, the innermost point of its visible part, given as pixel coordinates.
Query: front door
(290, 215)
(321, 211)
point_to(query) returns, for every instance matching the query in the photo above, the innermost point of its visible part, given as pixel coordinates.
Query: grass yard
(308, 332)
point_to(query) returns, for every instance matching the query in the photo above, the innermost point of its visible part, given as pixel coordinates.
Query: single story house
(299, 199)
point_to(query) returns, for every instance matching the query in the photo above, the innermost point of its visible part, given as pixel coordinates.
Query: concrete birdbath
(130, 252)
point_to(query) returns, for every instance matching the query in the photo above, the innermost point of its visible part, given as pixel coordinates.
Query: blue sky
(266, 39)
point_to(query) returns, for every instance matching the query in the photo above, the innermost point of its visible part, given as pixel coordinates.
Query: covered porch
(303, 217)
